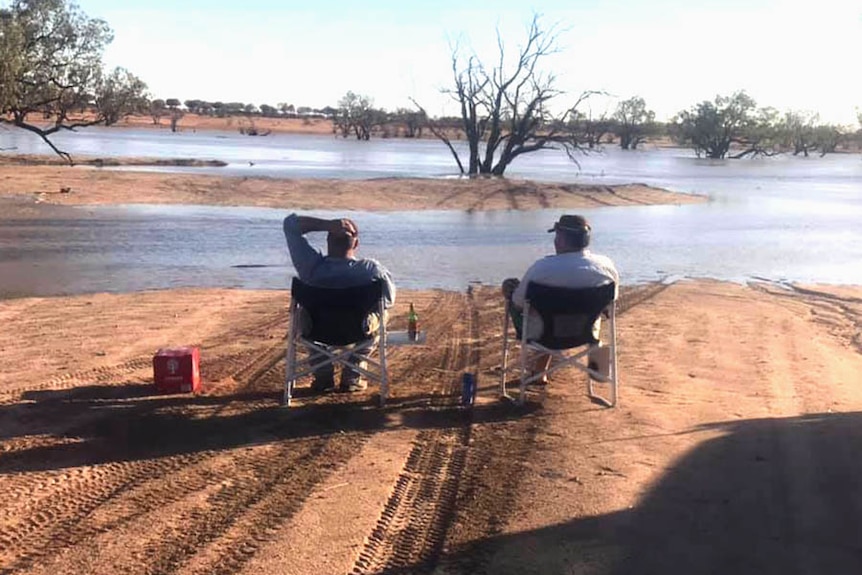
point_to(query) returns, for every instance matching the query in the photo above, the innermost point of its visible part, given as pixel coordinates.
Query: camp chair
(337, 330)
(568, 316)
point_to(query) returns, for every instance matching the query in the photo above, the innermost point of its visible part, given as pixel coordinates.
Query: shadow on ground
(771, 496)
(103, 423)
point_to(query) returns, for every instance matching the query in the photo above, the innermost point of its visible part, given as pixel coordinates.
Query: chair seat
(336, 329)
(568, 317)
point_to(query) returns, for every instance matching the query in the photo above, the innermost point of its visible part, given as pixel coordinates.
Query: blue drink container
(468, 389)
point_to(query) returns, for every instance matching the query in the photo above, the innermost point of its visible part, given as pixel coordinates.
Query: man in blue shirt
(338, 269)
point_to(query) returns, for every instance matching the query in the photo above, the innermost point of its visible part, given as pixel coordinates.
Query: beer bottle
(412, 324)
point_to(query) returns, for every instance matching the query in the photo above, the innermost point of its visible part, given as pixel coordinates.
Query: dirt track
(735, 447)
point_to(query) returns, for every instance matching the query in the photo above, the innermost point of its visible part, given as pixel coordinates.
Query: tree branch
(440, 135)
(42, 134)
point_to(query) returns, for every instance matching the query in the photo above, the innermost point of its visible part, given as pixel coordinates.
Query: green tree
(827, 138)
(505, 108)
(194, 106)
(591, 128)
(173, 105)
(51, 68)
(798, 131)
(355, 115)
(413, 120)
(712, 128)
(120, 94)
(803, 133)
(232, 108)
(633, 122)
(157, 110)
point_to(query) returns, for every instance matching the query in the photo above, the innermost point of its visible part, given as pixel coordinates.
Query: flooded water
(784, 218)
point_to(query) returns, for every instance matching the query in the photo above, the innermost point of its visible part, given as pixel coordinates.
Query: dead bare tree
(505, 109)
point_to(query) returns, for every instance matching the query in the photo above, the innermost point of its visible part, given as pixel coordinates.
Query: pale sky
(674, 53)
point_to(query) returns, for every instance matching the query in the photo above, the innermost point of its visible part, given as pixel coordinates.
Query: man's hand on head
(343, 226)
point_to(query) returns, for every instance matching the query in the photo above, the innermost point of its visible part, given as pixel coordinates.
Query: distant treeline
(728, 126)
(226, 109)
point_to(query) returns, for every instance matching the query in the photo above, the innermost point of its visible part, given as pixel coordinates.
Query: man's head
(572, 234)
(342, 243)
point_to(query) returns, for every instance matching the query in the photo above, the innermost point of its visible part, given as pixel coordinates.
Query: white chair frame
(333, 354)
(561, 358)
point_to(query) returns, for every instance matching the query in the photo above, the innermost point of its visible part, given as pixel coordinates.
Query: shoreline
(107, 161)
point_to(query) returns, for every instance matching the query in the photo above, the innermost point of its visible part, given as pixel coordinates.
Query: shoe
(351, 380)
(353, 385)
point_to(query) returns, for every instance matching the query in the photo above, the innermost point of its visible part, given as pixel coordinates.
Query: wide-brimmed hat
(571, 223)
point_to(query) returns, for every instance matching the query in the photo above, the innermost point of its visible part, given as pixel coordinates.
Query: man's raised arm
(306, 224)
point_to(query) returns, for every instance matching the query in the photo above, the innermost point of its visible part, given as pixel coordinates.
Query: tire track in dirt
(55, 506)
(411, 530)
(501, 442)
(105, 375)
(417, 368)
(114, 374)
(829, 309)
(264, 487)
(636, 295)
(264, 491)
(259, 505)
(236, 550)
(501, 446)
(62, 509)
(456, 477)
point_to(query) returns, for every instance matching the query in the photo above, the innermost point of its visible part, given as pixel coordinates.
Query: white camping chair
(567, 316)
(337, 319)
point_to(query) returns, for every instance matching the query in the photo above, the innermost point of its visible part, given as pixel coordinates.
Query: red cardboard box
(177, 370)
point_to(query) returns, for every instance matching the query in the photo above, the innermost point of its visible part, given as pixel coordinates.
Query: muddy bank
(43, 160)
(63, 185)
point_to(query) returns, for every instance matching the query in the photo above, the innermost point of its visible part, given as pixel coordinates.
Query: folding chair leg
(290, 373)
(611, 378)
(381, 349)
(504, 370)
(614, 380)
(522, 394)
(290, 357)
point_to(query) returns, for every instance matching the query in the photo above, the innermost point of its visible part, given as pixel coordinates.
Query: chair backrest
(568, 314)
(337, 314)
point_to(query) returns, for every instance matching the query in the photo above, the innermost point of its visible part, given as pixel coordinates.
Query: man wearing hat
(340, 268)
(573, 266)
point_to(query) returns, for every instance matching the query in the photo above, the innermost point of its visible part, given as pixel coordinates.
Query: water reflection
(144, 247)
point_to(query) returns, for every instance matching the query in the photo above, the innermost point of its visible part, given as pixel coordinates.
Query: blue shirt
(316, 269)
